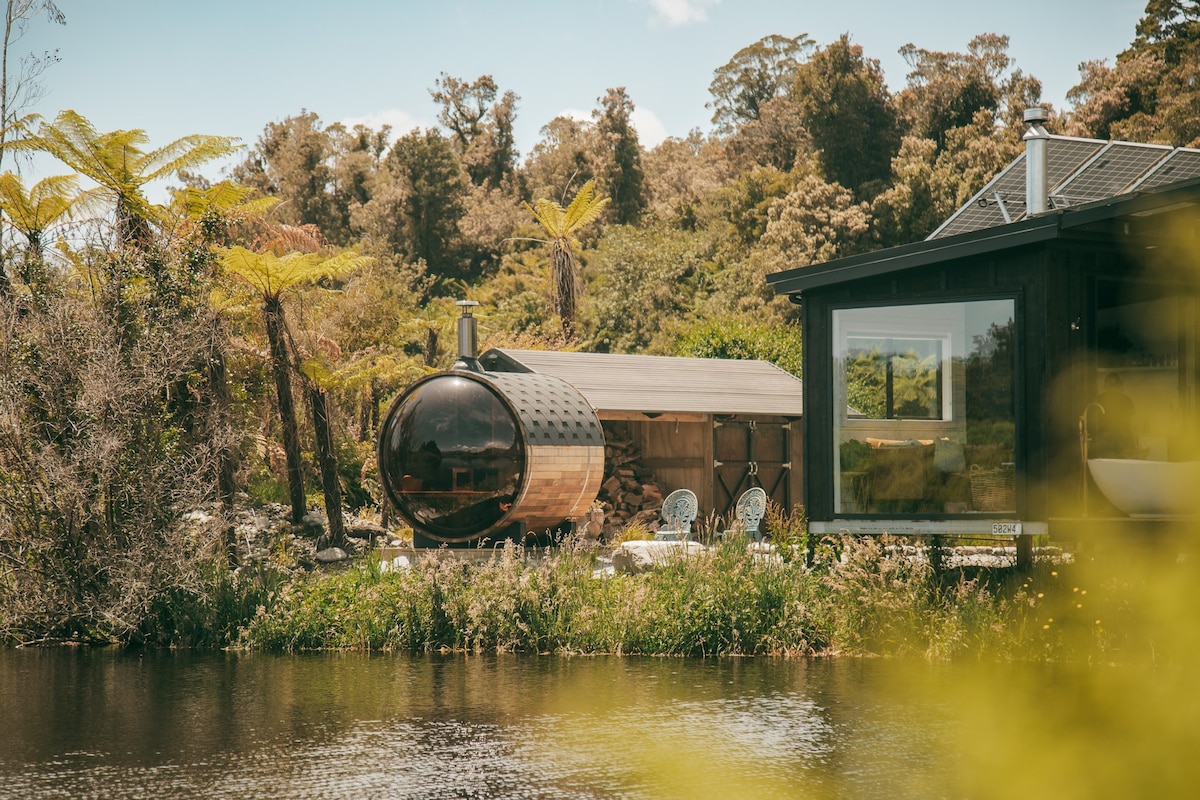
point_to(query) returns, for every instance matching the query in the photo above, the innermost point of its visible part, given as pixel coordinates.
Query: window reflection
(894, 378)
(452, 457)
(926, 420)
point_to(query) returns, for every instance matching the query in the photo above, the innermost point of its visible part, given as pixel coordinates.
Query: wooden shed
(714, 426)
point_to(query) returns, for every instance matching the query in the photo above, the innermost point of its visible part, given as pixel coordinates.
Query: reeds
(859, 596)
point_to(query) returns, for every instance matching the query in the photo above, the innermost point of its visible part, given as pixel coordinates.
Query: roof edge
(916, 254)
(1031, 230)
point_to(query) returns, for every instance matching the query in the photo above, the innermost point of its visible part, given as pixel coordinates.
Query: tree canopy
(136, 385)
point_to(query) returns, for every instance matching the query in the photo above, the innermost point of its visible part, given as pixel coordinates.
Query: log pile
(629, 493)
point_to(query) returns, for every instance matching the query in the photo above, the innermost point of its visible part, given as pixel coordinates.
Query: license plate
(1006, 529)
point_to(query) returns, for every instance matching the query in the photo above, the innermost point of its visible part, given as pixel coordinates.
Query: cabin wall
(1057, 369)
(680, 454)
(1022, 274)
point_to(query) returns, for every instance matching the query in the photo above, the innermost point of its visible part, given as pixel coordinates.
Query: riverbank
(859, 597)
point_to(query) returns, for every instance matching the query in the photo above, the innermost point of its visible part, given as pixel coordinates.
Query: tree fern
(560, 225)
(119, 163)
(270, 275)
(31, 213)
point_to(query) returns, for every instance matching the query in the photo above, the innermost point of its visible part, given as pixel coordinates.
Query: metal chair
(750, 509)
(678, 513)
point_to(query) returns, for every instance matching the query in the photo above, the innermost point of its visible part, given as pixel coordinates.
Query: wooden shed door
(750, 453)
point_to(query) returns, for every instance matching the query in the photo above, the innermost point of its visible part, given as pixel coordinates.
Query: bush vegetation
(241, 339)
(860, 596)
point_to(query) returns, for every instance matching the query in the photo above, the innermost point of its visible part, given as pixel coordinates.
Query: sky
(229, 67)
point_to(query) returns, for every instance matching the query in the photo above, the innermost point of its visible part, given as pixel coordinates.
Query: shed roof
(662, 384)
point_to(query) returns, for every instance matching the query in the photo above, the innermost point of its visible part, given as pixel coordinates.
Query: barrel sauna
(467, 455)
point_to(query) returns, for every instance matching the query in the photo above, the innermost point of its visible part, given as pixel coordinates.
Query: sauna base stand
(515, 533)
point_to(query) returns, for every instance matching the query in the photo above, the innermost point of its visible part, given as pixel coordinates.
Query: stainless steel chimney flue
(1037, 188)
(468, 339)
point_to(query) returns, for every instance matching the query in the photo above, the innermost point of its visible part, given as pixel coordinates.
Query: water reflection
(81, 723)
(84, 723)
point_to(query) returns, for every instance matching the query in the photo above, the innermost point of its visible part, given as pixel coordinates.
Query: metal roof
(1079, 171)
(662, 384)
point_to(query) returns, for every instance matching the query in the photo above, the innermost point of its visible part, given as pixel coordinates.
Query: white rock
(397, 564)
(331, 554)
(639, 556)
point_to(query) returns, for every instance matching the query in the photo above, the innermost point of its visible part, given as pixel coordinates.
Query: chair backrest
(679, 510)
(751, 507)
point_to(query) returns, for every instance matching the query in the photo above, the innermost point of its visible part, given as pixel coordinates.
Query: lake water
(84, 723)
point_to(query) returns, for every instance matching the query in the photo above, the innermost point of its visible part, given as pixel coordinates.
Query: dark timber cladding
(715, 426)
(1051, 266)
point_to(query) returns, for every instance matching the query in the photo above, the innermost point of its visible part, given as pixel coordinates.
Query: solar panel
(983, 210)
(1182, 164)
(1006, 192)
(1111, 171)
(1064, 157)
(1078, 171)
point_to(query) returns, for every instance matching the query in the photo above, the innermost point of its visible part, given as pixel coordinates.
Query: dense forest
(241, 340)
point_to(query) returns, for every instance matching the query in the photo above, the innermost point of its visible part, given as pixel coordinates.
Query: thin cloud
(401, 121)
(650, 130)
(677, 13)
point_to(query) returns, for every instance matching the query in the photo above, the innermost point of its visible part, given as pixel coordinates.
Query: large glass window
(452, 457)
(925, 416)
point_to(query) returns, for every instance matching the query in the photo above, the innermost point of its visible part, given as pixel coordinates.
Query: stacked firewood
(629, 492)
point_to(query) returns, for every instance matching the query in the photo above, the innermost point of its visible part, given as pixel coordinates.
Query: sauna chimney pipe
(468, 339)
(1037, 189)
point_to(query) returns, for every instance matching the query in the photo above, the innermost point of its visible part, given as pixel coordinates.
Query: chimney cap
(1036, 114)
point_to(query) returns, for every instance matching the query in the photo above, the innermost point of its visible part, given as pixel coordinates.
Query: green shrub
(732, 338)
(860, 595)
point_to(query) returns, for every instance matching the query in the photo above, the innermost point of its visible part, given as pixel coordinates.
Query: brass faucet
(1084, 439)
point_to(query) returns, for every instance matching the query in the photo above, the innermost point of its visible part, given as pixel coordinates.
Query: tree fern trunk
(563, 269)
(281, 366)
(218, 430)
(318, 402)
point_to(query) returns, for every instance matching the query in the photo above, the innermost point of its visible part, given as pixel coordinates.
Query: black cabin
(962, 384)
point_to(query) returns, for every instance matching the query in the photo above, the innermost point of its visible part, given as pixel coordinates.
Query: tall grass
(859, 596)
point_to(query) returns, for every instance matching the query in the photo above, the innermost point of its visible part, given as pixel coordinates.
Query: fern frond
(280, 238)
(271, 275)
(21, 131)
(584, 207)
(49, 200)
(184, 153)
(250, 268)
(317, 372)
(549, 215)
